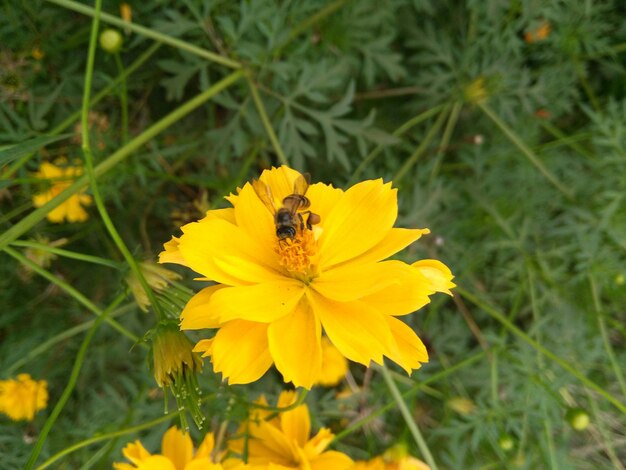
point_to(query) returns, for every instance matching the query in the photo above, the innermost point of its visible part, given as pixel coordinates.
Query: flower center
(298, 255)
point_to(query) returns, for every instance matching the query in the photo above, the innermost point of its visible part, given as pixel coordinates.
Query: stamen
(298, 255)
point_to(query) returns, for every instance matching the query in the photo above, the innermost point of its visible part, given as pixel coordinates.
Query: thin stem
(266, 121)
(414, 121)
(86, 146)
(430, 135)
(534, 159)
(149, 33)
(123, 98)
(445, 138)
(546, 352)
(68, 254)
(70, 290)
(617, 370)
(34, 217)
(410, 422)
(80, 357)
(105, 437)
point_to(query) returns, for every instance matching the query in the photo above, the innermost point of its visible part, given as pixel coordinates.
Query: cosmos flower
(177, 453)
(274, 296)
(60, 177)
(21, 398)
(282, 442)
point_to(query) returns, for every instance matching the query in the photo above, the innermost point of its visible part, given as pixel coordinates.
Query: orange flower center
(298, 255)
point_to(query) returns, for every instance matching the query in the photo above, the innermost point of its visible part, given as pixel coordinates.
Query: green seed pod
(506, 442)
(111, 40)
(578, 418)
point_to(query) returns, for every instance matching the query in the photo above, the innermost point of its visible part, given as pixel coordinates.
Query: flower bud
(111, 40)
(506, 442)
(577, 418)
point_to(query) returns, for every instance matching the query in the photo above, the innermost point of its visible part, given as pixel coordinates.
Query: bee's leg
(311, 219)
(301, 222)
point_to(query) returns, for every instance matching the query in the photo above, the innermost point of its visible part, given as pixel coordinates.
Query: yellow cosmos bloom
(334, 365)
(283, 442)
(274, 296)
(21, 398)
(177, 453)
(395, 458)
(60, 177)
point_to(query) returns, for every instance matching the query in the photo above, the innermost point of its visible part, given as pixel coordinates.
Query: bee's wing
(265, 194)
(302, 184)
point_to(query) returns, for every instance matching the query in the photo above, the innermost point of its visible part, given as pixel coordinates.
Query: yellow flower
(283, 442)
(395, 458)
(177, 453)
(274, 296)
(540, 33)
(60, 177)
(21, 398)
(157, 278)
(334, 365)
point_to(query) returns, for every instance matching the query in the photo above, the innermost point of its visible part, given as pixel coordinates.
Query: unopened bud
(111, 40)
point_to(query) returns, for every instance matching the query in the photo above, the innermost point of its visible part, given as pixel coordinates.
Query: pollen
(298, 255)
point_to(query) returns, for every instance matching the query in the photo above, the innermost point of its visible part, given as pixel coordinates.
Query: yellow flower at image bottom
(22, 397)
(177, 453)
(278, 287)
(283, 442)
(60, 177)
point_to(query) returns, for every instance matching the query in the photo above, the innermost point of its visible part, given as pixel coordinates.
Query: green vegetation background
(516, 162)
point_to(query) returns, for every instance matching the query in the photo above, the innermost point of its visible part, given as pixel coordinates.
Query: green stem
(266, 121)
(123, 98)
(421, 148)
(104, 437)
(534, 159)
(68, 254)
(86, 146)
(409, 393)
(408, 418)
(80, 298)
(149, 33)
(546, 352)
(45, 346)
(80, 357)
(31, 219)
(617, 370)
(445, 138)
(414, 121)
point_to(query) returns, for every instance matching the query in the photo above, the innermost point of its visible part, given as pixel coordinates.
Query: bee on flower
(291, 259)
(22, 397)
(60, 175)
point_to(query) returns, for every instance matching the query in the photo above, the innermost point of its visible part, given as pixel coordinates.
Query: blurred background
(502, 123)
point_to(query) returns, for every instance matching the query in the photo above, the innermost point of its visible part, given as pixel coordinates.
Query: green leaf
(16, 151)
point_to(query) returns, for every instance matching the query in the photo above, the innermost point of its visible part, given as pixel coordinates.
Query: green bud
(506, 442)
(111, 40)
(578, 418)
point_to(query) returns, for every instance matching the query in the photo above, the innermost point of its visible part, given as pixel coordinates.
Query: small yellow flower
(37, 53)
(177, 453)
(126, 12)
(59, 178)
(274, 297)
(283, 442)
(540, 33)
(21, 398)
(334, 365)
(395, 458)
(157, 277)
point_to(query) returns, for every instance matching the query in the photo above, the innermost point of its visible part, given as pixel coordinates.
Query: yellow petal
(294, 343)
(404, 297)
(280, 180)
(334, 365)
(157, 462)
(437, 273)
(296, 424)
(270, 445)
(240, 351)
(177, 447)
(171, 253)
(254, 217)
(323, 199)
(396, 240)
(206, 447)
(409, 351)
(203, 464)
(351, 282)
(204, 346)
(227, 214)
(260, 302)
(197, 315)
(332, 460)
(358, 222)
(203, 241)
(356, 329)
(135, 452)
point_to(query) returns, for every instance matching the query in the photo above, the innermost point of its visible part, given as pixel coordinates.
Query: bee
(289, 217)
